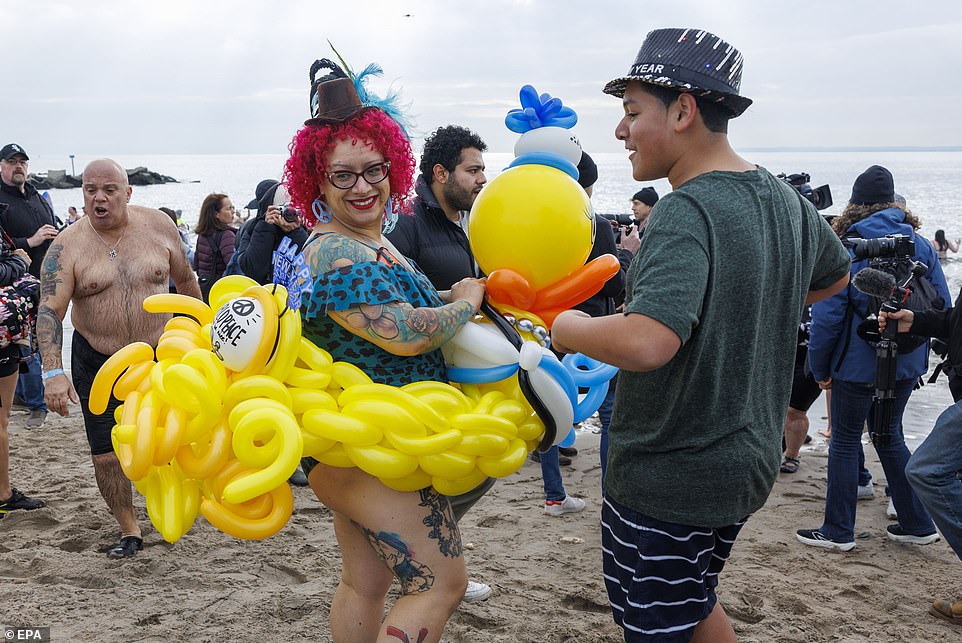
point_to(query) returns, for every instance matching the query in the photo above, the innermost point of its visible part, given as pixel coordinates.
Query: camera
(620, 219)
(820, 197)
(289, 212)
(893, 245)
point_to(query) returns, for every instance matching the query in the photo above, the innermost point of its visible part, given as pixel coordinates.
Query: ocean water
(931, 182)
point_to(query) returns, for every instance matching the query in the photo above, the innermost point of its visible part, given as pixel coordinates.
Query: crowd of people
(714, 281)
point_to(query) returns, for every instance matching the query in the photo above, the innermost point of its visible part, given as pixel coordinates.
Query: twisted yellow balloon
(196, 437)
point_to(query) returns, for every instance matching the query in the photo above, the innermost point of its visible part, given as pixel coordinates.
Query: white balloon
(530, 355)
(555, 400)
(557, 140)
(479, 346)
(236, 332)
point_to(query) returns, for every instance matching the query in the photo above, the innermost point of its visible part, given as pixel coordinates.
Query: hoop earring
(390, 217)
(321, 212)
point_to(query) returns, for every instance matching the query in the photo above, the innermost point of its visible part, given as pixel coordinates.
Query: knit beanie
(648, 196)
(874, 185)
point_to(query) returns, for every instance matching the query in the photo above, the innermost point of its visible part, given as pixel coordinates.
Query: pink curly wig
(304, 172)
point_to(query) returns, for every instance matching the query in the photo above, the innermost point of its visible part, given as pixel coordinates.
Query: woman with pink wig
(350, 172)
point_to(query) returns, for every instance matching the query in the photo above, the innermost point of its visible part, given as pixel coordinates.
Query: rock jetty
(60, 180)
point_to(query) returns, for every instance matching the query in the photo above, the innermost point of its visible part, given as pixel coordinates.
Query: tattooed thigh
(440, 520)
(414, 577)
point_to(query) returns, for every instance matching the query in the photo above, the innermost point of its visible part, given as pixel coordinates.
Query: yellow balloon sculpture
(216, 419)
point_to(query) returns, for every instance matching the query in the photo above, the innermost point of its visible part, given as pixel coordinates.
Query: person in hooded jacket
(261, 235)
(841, 360)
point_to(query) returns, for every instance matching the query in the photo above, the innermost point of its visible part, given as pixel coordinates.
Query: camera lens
(289, 213)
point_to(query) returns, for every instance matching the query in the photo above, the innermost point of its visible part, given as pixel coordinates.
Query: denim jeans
(851, 408)
(30, 384)
(932, 473)
(554, 489)
(604, 415)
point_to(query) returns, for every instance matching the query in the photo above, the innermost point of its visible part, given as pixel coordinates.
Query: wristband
(48, 374)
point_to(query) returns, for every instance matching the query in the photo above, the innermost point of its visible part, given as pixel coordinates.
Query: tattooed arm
(396, 326)
(56, 289)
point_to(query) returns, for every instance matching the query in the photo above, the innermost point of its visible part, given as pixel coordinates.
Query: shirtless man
(106, 265)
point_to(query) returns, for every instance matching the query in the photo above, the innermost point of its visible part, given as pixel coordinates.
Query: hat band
(680, 75)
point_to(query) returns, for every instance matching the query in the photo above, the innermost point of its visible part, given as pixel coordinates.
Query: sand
(546, 572)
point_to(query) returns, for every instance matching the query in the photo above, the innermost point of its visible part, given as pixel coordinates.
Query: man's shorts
(805, 389)
(84, 364)
(661, 576)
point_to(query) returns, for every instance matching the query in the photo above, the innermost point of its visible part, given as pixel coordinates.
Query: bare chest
(135, 268)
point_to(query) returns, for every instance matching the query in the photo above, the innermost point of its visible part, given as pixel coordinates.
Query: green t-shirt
(726, 262)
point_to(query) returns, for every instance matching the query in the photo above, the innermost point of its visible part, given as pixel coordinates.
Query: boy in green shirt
(707, 341)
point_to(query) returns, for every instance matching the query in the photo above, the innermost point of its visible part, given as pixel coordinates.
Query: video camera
(820, 197)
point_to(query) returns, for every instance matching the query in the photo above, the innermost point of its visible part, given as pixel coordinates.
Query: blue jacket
(830, 326)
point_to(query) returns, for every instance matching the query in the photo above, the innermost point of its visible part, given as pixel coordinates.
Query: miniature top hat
(334, 98)
(688, 60)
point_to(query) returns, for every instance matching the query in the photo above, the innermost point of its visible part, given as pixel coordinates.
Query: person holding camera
(841, 360)
(933, 470)
(261, 235)
(641, 204)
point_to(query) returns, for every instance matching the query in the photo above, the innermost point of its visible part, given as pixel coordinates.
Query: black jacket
(944, 323)
(26, 214)
(12, 266)
(435, 243)
(256, 243)
(603, 302)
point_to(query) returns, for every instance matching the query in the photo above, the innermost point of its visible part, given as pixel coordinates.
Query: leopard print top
(371, 284)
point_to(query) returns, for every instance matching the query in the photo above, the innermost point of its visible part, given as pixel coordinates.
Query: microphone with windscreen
(874, 283)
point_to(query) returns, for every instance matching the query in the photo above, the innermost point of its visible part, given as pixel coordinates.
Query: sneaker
(568, 451)
(128, 546)
(866, 491)
(569, 505)
(895, 533)
(36, 419)
(19, 501)
(815, 538)
(476, 592)
(890, 512)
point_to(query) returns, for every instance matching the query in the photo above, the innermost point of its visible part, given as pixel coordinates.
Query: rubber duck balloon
(532, 227)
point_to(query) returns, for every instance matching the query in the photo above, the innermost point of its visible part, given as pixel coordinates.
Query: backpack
(233, 266)
(923, 295)
(240, 245)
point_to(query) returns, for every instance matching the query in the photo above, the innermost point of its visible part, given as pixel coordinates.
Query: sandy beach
(546, 572)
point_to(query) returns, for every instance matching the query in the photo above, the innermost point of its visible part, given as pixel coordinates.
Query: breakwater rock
(60, 180)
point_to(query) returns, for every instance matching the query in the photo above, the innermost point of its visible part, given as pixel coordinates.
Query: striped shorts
(661, 576)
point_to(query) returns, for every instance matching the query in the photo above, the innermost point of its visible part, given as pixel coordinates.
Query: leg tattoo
(414, 577)
(399, 634)
(442, 523)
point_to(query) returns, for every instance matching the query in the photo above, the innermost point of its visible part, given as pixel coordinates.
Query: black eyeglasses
(345, 179)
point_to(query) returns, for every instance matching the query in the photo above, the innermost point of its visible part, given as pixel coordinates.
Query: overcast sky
(194, 76)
